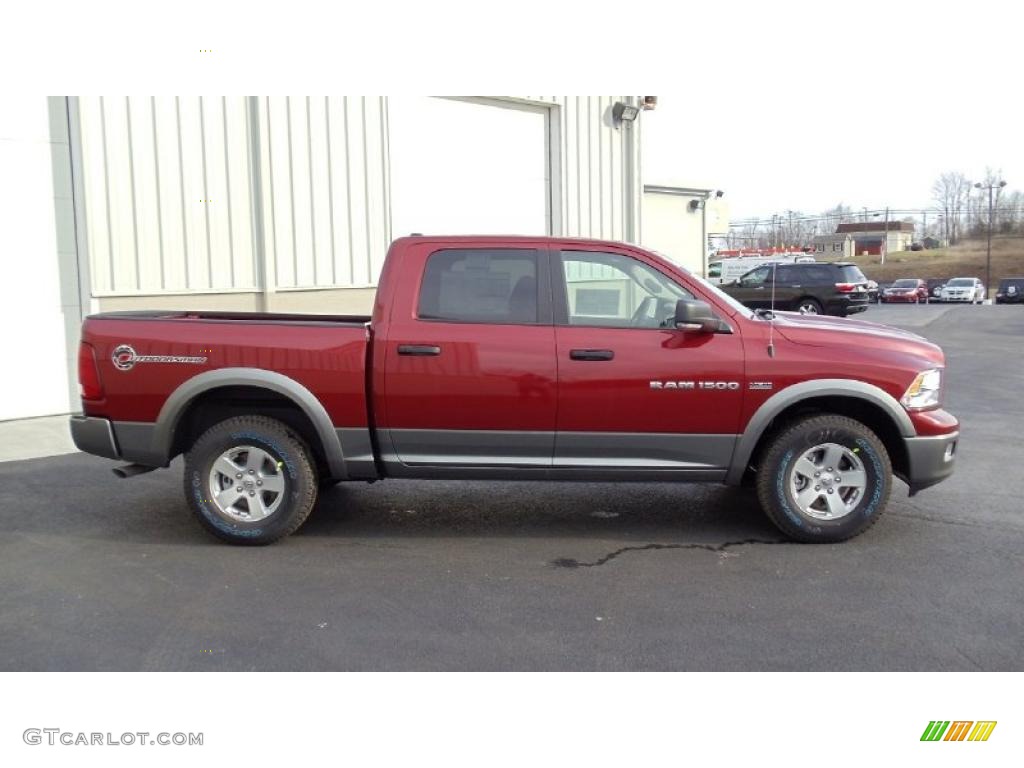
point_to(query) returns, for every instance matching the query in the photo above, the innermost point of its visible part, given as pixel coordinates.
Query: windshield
(961, 281)
(905, 284)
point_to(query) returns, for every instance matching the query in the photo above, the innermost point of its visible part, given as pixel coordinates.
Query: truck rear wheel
(250, 480)
(824, 479)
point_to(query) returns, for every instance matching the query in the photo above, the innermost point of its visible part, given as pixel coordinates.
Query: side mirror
(693, 315)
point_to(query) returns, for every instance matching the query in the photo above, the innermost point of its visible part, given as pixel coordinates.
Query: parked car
(964, 289)
(935, 287)
(527, 358)
(830, 288)
(1010, 291)
(910, 290)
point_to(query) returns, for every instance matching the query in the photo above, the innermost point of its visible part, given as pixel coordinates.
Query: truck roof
(506, 239)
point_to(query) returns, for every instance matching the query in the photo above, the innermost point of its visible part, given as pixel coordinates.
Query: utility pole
(988, 249)
(885, 235)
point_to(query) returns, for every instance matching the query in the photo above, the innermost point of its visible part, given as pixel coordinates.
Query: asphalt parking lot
(105, 574)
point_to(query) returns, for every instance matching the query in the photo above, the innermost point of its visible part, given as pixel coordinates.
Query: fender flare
(188, 391)
(806, 390)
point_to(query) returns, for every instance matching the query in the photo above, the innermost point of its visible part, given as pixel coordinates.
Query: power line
(859, 217)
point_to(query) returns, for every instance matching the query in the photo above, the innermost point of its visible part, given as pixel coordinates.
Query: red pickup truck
(519, 358)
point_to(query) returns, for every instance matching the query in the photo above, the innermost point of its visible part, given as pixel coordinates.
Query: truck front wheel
(824, 479)
(250, 480)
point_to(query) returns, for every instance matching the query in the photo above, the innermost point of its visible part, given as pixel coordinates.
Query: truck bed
(161, 350)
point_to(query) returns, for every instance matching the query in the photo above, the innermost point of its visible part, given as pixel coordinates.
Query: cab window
(612, 290)
(480, 286)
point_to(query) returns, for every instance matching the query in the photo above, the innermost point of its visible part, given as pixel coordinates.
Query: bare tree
(951, 191)
(833, 217)
(1012, 213)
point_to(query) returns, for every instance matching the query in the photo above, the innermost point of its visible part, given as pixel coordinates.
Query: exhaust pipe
(131, 470)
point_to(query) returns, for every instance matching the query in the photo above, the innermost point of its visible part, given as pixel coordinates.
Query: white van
(723, 271)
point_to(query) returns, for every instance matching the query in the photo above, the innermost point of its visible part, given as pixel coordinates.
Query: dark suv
(1011, 291)
(831, 288)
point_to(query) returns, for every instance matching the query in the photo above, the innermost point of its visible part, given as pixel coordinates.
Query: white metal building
(678, 221)
(279, 204)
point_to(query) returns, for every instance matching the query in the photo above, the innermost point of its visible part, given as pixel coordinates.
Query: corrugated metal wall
(167, 194)
(600, 179)
(325, 193)
(226, 194)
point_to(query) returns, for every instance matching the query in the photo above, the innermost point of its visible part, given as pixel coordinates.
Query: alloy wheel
(828, 481)
(247, 484)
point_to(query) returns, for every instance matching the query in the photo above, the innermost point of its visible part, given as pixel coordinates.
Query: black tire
(294, 464)
(813, 306)
(775, 472)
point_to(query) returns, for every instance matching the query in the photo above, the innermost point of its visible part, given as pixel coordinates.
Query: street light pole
(885, 235)
(988, 248)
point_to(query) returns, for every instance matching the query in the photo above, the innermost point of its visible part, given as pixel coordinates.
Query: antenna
(771, 317)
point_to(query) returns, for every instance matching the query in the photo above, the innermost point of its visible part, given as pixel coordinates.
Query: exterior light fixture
(649, 102)
(624, 112)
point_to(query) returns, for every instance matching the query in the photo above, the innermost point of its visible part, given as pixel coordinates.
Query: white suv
(963, 289)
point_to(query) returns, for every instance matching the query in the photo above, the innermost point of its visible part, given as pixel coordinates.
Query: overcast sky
(826, 153)
(861, 108)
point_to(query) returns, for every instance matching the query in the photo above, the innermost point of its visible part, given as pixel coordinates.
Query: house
(834, 247)
(868, 236)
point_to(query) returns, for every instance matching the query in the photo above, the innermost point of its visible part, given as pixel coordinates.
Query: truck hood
(824, 331)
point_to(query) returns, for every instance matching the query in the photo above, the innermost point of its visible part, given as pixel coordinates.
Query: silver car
(966, 289)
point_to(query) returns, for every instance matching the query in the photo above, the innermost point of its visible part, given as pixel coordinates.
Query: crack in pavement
(569, 562)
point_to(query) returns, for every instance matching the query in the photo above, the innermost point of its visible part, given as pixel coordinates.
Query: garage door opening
(466, 167)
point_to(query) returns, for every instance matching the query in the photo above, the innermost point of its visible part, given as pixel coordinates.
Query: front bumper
(95, 436)
(930, 460)
(908, 298)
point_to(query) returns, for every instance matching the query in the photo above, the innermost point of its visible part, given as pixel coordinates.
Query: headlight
(924, 391)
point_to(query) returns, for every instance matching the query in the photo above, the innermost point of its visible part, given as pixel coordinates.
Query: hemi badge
(761, 385)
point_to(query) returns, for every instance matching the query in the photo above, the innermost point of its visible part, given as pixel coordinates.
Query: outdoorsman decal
(125, 358)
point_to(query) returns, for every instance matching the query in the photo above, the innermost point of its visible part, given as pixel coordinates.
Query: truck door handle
(419, 350)
(591, 354)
